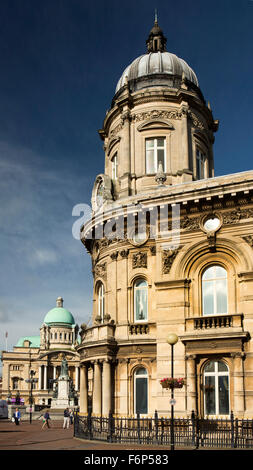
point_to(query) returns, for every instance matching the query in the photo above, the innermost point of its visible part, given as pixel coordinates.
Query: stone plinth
(62, 400)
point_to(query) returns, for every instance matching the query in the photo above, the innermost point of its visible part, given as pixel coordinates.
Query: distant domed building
(158, 138)
(43, 354)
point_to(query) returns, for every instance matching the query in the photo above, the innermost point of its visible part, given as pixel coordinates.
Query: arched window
(141, 391)
(140, 300)
(216, 388)
(101, 302)
(214, 291)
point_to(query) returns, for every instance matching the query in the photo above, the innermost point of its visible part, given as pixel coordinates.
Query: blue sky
(60, 61)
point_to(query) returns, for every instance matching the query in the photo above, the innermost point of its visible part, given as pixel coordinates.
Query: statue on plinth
(64, 368)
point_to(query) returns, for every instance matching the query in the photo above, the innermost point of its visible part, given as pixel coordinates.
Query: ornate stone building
(42, 354)
(196, 281)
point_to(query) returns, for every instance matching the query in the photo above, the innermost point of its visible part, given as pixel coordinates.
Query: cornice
(150, 95)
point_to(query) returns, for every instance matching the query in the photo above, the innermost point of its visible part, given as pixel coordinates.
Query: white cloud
(44, 256)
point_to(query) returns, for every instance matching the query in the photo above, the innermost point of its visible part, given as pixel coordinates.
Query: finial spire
(156, 21)
(156, 40)
(59, 302)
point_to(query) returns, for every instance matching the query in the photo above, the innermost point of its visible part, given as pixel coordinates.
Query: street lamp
(31, 381)
(172, 340)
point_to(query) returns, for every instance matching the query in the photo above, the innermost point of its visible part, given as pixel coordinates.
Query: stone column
(184, 141)
(107, 396)
(97, 389)
(191, 383)
(45, 377)
(126, 141)
(239, 405)
(8, 377)
(83, 389)
(125, 162)
(76, 378)
(40, 378)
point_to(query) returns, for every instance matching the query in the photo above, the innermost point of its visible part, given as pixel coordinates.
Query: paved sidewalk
(28, 436)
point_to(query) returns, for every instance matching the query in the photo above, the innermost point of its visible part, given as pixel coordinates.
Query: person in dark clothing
(46, 419)
(66, 418)
(17, 416)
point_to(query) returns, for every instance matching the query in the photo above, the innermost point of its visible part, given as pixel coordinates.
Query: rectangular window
(201, 158)
(155, 154)
(115, 167)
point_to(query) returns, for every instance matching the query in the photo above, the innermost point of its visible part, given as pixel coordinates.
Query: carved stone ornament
(248, 239)
(189, 224)
(160, 177)
(124, 253)
(153, 250)
(114, 255)
(168, 257)
(140, 260)
(100, 270)
(116, 129)
(236, 215)
(196, 121)
(156, 113)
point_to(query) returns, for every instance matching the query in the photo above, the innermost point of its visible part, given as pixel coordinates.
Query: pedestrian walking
(17, 416)
(71, 415)
(46, 418)
(66, 418)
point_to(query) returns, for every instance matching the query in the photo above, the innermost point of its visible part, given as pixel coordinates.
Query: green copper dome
(59, 314)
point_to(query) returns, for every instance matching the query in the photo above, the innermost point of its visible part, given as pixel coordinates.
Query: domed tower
(59, 328)
(152, 278)
(158, 117)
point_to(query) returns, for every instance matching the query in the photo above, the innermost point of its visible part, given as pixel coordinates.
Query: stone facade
(166, 276)
(42, 354)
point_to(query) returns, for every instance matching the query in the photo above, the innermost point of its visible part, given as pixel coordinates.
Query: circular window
(138, 238)
(212, 224)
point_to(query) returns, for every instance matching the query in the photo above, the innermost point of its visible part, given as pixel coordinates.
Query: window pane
(141, 403)
(222, 367)
(210, 395)
(209, 367)
(141, 283)
(221, 272)
(150, 162)
(160, 156)
(208, 298)
(149, 144)
(223, 395)
(140, 304)
(160, 142)
(209, 273)
(141, 371)
(221, 294)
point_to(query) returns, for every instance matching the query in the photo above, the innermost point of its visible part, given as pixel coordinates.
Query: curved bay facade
(171, 248)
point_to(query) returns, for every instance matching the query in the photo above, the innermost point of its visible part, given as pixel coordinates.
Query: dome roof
(60, 315)
(163, 63)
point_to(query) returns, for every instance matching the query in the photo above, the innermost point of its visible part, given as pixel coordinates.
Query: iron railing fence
(193, 432)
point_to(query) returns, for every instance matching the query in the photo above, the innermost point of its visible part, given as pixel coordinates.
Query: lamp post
(172, 340)
(31, 381)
